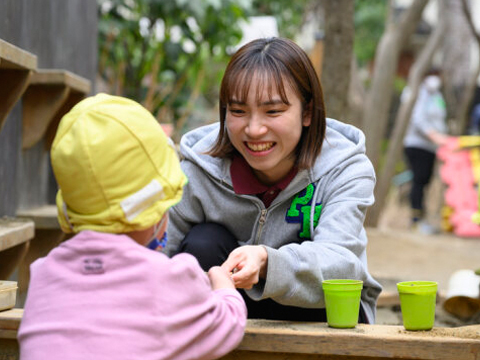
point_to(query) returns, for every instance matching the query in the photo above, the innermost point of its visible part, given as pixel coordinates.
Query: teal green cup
(417, 302)
(342, 302)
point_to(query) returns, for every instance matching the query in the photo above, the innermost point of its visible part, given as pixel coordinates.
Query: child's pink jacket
(103, 296)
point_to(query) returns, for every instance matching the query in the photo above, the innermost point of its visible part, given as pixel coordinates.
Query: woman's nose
(255, 126)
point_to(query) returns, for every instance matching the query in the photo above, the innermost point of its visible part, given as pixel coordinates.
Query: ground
(396, 253)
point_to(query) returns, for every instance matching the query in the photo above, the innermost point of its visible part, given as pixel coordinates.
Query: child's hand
(220, 278)
(248, 265)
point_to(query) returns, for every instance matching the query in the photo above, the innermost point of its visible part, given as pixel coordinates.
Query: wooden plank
(44, 217)
(14, 231)
(10, 319)
(61, 77)
(365, 341)
(12, 57)
(282, 340)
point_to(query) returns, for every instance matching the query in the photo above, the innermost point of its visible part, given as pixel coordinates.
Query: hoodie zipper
(261, 221)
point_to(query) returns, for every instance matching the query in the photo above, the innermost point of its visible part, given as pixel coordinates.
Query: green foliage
(166, 54)
(288, 13)
(162, 52)
(369, 26)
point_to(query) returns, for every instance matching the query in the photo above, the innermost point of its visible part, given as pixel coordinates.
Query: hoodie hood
(342, 142)
(116, 169)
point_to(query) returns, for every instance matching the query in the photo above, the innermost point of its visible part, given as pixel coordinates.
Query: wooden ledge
(44, 217)
(14, 231)
(15, 235)
(266, 339)
(50, 95)
(16, 66)
(9, 323)
(12, 57)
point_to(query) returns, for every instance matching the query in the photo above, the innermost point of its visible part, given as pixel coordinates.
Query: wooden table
(282, 340)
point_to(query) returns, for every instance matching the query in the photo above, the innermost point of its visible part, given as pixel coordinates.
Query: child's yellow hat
(116, 169)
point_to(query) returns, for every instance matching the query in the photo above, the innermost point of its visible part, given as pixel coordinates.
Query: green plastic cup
(342, 302)
(417, 301)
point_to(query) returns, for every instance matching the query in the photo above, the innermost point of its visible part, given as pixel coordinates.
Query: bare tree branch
(401, 122)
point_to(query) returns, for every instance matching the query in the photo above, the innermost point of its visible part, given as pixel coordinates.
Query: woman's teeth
(260, 147)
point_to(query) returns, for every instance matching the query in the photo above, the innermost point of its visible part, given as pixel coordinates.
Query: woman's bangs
(268, 80)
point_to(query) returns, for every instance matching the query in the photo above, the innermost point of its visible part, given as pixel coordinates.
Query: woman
(277, 193)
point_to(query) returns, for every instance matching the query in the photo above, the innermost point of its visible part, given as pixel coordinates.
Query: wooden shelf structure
(15, 235)
(49, 96)
(16, 66)
(48, 235)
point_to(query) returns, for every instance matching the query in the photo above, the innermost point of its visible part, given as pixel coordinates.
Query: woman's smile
(259, 148)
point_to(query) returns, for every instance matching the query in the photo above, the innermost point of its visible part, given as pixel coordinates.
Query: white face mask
(433, 83)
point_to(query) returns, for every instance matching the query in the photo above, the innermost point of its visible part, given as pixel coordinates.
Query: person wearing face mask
(427, 131)
(104, 294)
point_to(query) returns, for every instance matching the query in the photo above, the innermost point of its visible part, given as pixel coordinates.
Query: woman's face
(266, 132)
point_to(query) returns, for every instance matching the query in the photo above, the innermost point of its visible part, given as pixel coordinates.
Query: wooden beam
(16, 66)
(297, 340)
(50, 95)
(12, 57)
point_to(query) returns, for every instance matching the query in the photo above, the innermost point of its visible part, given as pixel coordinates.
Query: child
(103, 294)
(277, 192)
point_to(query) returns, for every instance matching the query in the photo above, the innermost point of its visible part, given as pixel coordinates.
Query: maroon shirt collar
(245, 182)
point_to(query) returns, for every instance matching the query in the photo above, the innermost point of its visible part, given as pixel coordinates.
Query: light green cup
(417, 301)
(342, 302)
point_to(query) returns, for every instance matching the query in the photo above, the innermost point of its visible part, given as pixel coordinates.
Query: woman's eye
(274, 111)
(237, 111)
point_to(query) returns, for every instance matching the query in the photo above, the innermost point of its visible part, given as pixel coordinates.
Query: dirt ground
(396, 253)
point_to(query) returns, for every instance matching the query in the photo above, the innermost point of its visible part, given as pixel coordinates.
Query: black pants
(421, 163)
(211, 244)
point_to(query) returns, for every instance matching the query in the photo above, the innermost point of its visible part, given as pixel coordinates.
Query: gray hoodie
(341, 186)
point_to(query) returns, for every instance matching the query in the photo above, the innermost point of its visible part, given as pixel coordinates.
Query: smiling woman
(277, 193)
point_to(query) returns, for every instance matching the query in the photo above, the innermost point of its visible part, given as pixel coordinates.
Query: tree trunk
(402, 120)
(339, 39)
(464, 106)
(375, 116)
(356, 97)
(456, 59)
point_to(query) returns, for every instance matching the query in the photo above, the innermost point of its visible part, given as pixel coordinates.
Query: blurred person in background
(427, 131)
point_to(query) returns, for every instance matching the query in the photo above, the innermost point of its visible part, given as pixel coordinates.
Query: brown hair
(274, 60)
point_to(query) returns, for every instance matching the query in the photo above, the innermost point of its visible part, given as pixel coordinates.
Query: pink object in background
(461, 195)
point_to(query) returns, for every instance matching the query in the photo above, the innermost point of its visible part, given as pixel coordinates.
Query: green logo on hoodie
(299, 211)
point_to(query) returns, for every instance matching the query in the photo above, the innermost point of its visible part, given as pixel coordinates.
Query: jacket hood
(342, 142)
(116, 169)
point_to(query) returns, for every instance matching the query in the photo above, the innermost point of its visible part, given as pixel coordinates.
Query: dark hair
(274, 60)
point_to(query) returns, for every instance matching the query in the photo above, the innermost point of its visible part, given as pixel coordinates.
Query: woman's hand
(220, 278)
(248, 264)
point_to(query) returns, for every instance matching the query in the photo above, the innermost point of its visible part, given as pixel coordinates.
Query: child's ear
(307, 115)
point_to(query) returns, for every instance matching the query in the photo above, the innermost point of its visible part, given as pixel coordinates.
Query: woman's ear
(307, 115)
